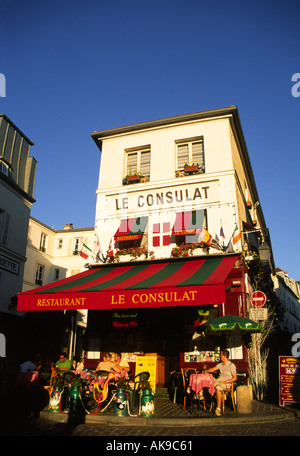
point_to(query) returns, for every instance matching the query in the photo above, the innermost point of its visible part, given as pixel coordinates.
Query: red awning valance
(181, 282)
(131, 229)
(188, 222)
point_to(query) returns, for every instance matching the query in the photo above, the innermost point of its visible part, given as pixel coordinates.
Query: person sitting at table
(63, 363)
(120, 364)
(106, 364)
(226, 378)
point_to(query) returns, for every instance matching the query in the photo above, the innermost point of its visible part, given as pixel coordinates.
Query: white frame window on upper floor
(137, 165)
(39, 274)
(43, 242)
(190, 157)
(77, 246)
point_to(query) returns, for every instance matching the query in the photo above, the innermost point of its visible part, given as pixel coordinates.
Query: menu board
(289, 380)
(147, 364)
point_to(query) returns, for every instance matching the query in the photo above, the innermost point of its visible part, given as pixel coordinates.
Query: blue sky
(73, 67)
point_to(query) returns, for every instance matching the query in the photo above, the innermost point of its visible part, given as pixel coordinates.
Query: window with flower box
(137, 167)
(190, 157)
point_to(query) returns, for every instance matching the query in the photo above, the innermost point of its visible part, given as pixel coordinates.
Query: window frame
(189, 142)
(138, 168)
(39, 274)
(43, 242)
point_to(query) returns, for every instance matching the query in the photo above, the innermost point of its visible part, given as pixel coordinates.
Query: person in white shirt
(226, 378)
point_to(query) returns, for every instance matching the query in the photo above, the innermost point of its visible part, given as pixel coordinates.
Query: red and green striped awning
(131, 229)
(188, 222)
(160, 283)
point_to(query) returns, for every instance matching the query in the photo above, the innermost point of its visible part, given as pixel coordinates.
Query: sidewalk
(169, 414)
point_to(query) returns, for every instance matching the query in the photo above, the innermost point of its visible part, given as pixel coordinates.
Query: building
(17, 180)
(288, 293)
(179, 196)
(53, 255)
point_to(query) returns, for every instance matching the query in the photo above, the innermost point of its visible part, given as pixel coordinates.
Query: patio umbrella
(231, 323)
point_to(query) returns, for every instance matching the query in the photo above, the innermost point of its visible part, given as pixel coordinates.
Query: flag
(85, 251)
(110, 250)
(207, 237)
(236, 237)
(222, 233)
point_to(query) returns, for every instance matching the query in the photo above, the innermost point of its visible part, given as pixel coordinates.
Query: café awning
(131, 229)
(188, 222)
(160, 283)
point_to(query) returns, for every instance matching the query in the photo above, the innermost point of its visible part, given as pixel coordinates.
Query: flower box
(191, 169)
(124, 258)
(134, 178)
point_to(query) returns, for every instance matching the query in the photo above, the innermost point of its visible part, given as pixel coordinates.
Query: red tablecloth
(199, 381)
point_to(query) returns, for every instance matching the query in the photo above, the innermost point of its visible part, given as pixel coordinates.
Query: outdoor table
(199, 381)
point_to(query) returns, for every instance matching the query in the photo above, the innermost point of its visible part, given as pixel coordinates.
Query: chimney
(69, 226)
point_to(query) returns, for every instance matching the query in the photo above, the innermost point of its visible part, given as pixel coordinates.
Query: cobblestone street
(43, 427)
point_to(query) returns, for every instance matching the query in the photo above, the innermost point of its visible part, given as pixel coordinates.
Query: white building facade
(219, 189)
(54, 254)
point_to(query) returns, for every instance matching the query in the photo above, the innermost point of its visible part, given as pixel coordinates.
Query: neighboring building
(165, 187)
(54, 255)
(288, 293)
(17, 181)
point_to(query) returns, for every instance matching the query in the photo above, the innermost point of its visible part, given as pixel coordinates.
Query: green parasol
(231, 323)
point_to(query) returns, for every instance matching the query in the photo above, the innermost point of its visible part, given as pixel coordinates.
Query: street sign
(258, 314)
(258, 299)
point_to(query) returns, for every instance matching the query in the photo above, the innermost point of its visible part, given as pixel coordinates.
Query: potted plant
(121, 398)
(133, 176)
(147, 399)
(191, 168)
(132, 253)
(56, 392)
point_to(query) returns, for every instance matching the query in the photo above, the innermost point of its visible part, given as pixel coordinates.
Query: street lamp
(264, 252)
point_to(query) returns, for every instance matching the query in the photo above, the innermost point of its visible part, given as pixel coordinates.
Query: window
(198, 222)
(43, 241)
(77, 243)
(4, 225)
(137, 166)
(60, 244)
(56, 274)
(39, 275)
(190, 153)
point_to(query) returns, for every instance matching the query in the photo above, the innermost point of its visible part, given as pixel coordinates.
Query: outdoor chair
(230, 392)
(137, 380)
(186, 372)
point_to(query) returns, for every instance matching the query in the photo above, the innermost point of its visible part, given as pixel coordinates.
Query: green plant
(185, 250)
(76, 382)
(59, 382)
(144, 385)
(135, 252)
(122, 383)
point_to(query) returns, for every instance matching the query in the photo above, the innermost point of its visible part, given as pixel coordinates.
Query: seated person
(120, 364)
(63, 363)
(106, 364)
(226, 378)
